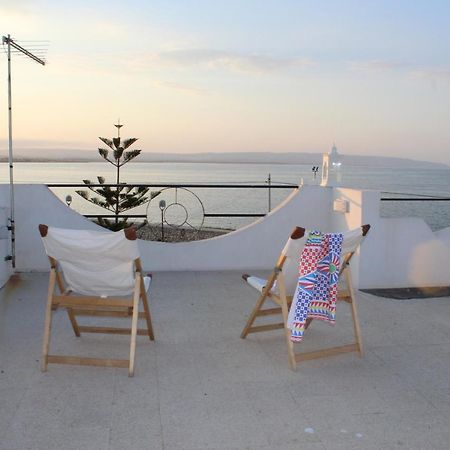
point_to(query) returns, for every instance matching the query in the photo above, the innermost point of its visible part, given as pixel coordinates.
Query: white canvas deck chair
(97, 274)
(280, 288)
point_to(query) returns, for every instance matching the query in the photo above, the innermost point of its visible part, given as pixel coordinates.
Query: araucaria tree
(121, 197)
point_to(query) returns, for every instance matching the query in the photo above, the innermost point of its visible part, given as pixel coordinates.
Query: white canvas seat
(280, 287)
(98, 274)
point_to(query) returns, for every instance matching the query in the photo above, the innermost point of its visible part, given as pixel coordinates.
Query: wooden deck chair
(280, 288)
(97, 274)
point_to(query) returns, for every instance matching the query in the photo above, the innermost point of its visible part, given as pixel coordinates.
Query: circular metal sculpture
(175, 209)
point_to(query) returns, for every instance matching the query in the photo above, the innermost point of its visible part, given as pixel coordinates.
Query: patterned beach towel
(316, 292)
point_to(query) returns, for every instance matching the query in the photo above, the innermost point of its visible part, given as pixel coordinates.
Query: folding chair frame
(82, 305)
(284, 301)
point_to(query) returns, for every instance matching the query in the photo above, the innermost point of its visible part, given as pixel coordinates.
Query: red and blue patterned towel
(316, 292)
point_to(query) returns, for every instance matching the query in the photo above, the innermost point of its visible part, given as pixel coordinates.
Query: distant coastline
(66, 156)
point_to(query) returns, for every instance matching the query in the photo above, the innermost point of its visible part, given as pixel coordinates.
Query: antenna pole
(12, 225)
(10, 161)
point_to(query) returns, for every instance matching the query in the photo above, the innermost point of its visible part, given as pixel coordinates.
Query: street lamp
(315, 169)
(162, 205)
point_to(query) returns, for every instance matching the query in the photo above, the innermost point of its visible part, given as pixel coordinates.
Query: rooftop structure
(199, 386)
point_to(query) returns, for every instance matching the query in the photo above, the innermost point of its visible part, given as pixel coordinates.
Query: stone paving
(199, 386)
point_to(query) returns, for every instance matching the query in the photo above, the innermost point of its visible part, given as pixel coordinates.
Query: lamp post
(269, 182)
(162, 205)
(315, 169)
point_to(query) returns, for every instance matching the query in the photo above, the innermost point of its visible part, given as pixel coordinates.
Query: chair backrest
(99, 263)
(292, 250)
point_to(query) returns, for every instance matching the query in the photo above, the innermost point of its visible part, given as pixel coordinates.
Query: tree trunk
(117, 193)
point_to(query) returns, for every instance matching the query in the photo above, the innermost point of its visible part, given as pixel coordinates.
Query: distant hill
(67, 155)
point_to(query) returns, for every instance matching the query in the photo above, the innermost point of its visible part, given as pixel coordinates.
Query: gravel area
(153, 233)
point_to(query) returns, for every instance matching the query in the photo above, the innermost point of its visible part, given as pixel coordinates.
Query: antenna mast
(17, 49)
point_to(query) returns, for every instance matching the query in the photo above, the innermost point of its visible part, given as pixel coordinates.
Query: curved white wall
(254, 247)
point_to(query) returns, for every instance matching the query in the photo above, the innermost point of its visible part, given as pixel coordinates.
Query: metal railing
(433, 209)
(268, 186)
(386, 197)
(413, 198)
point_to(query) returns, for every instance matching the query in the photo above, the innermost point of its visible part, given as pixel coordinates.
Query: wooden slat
(111, 330)
(147, 314)
(60, 282)
(343, 293)
(134, 323)
(308, 322)
(91, 301)
(326, 352)
(73, 321)
(48, 319)
(277, 299)
(105, 313)
(285, 311)
(81, 361)
(274, 298)
(268, 312)
(273, 326)
(356, 326)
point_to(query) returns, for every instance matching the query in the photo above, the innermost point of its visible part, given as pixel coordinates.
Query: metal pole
(162, 205)
(269, 182)
(10, 160)
(12, 225)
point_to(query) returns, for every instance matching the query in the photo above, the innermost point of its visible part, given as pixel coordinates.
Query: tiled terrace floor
(199, 386)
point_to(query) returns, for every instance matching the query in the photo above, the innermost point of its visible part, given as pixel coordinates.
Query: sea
(187, 207)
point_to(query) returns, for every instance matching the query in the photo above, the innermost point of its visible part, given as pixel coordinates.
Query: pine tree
(123, 196)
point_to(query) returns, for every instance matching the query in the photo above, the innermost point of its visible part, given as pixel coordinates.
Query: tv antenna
(37, 52)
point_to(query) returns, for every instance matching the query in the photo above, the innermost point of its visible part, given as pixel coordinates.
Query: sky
(238, 75)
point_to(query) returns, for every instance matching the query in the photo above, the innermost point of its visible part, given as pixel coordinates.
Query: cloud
(16, 7)
(238, 62)
(181, 87)
(107, 29)
(431, 73)
(378, 65)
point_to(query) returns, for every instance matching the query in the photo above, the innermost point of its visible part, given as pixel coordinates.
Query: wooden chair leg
(73, 321)
(270, 282)
(253, 315)
(285, 313)
(48, 320)
(134, 324)
(148, 317)
(59, 281)
(356, 325)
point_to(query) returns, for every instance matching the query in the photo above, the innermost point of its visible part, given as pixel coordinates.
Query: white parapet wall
(256, 246)
(397, 252)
